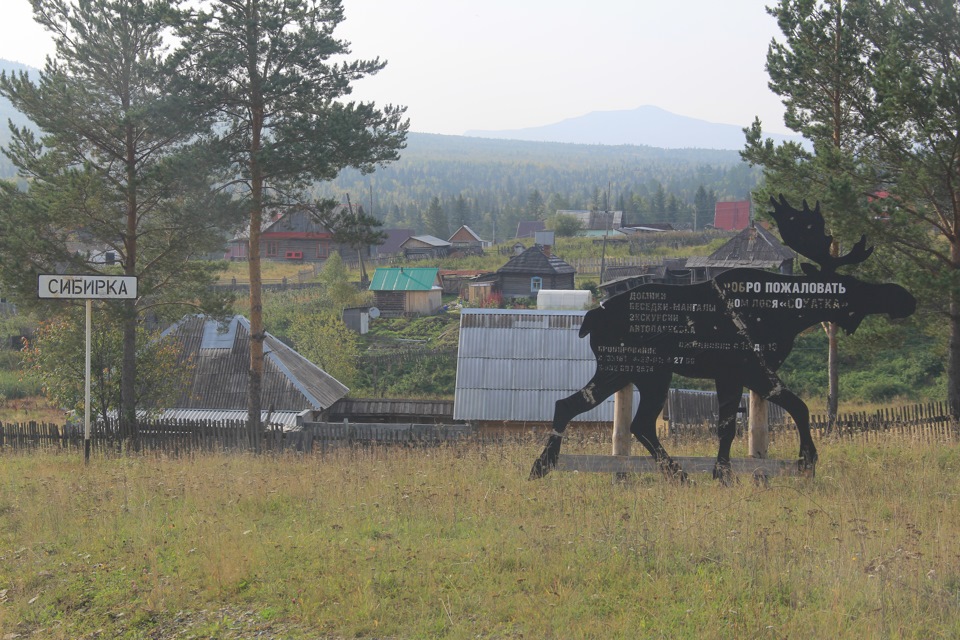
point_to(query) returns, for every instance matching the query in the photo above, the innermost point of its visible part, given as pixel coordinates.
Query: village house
(216, 359)
(535, 268)
(425, 247)
(754, 247)
(294, 236)
(466, 241)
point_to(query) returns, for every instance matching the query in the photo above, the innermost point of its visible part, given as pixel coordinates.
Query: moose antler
(805, 232)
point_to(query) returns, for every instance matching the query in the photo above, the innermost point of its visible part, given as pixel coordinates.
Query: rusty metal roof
(514, 365)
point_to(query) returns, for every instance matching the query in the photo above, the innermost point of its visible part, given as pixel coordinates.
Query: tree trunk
(953, 360)
(256, 301)
(833, 372)
(128, 376)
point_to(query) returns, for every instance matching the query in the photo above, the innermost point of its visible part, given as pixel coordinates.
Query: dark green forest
(491, 185)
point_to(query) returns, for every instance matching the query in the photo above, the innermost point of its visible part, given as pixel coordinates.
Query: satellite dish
(374, 313)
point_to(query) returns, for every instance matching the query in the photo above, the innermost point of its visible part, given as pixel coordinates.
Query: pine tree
(119, 162)
(273, 71)
(821, 71)
(435, 220)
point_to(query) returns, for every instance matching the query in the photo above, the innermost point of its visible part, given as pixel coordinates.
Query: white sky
(509, 64)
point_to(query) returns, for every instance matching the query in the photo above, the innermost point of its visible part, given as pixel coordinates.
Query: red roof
(732, 216)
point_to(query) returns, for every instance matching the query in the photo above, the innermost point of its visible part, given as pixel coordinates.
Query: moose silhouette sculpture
(736, 329)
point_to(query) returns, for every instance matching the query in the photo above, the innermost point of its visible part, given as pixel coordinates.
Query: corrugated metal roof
(404, 279)
(514, 365)
(433, 241)
(219, 376)
(286, 419)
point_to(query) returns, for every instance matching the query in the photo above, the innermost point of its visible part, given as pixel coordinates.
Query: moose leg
(601, 386)
(729, 394)
(797, 409)
(653, 393)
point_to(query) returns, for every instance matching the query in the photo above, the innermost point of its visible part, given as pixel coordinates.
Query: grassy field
(456, 543)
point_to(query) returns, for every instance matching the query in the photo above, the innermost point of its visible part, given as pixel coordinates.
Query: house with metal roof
(754, 247)
(395, 238)
(467, 240)
(423, 247)
(534, 269)
(217, 359)
(513, 365)
(297, 236)
(403, 291)
(529, 228)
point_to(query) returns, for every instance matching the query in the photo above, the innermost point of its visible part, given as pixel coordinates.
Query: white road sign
(87, 287)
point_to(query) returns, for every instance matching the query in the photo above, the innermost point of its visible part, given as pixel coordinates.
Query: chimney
(546, 249)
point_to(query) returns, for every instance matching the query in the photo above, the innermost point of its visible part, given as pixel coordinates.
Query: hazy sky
(509, 64)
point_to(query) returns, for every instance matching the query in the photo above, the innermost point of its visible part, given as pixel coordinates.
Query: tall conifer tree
(276, 74)
(118, 164)
(820, 70)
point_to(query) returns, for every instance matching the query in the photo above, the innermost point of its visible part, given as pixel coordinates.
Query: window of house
(536, 284)
(272, 249)
(323, 250)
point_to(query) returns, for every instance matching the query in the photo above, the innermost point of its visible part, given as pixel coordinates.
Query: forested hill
(486, 182)
(492, 184)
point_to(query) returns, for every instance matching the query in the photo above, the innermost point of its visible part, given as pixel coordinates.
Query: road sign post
(88, 288)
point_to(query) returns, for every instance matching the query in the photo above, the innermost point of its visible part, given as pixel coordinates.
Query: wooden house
(534, 269)
(217, 359)
(424, 247)
(294, 236)
(392, 244)
(467, 241)
(404, 291)
(528, 228)
(754, 247)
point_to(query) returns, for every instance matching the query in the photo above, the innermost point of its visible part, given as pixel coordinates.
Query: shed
(217, 357)
(358, 318)
(402, 291)
(513, 365)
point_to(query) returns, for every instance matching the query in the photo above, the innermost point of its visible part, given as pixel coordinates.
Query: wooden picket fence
(177, 437)
(692, 415)
(929, 422)
(926, 423)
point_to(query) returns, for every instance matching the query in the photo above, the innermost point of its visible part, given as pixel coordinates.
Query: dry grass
(456, 543)
(37, 409)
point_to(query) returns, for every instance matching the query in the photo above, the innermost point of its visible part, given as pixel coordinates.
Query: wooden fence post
(622, 416)
(758, 438)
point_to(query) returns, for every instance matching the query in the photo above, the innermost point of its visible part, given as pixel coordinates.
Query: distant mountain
(646, 126)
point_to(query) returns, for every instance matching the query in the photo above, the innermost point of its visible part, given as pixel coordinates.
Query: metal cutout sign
(736, 329)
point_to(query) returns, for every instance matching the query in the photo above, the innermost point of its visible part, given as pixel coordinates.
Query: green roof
(404, 279)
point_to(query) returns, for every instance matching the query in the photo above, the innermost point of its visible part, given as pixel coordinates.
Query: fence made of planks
(926, 423)
(178, 437)
(929, 422)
